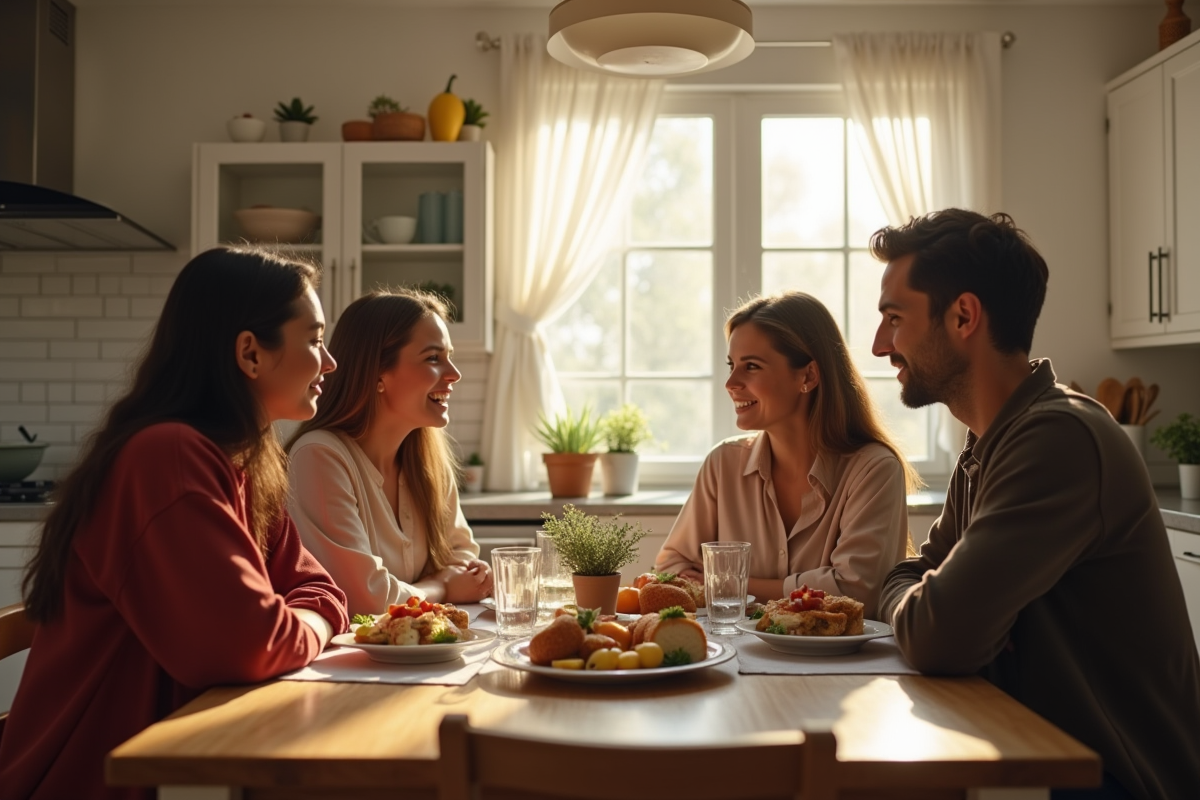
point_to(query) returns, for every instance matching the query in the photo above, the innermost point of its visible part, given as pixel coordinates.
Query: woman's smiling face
(764, 388)
(417, 390)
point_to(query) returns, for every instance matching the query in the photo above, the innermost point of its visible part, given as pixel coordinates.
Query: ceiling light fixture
(651, 38)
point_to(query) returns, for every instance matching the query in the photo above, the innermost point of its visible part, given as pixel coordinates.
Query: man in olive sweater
(1049, 571)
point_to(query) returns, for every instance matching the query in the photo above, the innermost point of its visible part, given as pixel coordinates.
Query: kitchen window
(740, 194)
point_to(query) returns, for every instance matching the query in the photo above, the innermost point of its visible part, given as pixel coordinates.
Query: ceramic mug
(394, 230)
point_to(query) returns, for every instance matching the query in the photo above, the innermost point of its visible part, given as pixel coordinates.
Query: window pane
(670, 311)
(587, 338)
(803, 182)
(818, 274)
(673, 203)
(909, 428)
(680, 414)
(865, 274)
(601, 395)
(866, 212)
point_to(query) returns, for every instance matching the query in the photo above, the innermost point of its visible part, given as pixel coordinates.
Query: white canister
(1189, 481)
(1137, 435)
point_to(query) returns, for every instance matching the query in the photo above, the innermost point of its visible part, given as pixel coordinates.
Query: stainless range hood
(37, 140)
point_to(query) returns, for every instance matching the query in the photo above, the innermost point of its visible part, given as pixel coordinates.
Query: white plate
(817, 645)
(416, 654)
(515, 655)
(703, 610)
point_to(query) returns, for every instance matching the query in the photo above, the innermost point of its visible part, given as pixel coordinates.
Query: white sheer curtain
(568, 152)
(926, 110)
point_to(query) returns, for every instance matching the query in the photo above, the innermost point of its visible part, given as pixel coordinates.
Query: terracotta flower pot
(570, 474)
(398, 126)
(357, 130)
(597, 591)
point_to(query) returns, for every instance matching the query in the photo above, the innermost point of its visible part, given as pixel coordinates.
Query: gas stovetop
(26, 492)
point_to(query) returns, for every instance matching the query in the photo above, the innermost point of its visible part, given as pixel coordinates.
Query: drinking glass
(726, 575)
(555, 589)
(515, 573)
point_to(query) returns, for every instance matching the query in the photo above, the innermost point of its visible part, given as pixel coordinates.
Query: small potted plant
(570, 462)
(295, 120)
(624, 429)
(473, 474)
(1181, 441)
(594, 552)
(246, 128)
(391, 121)
(473, 122)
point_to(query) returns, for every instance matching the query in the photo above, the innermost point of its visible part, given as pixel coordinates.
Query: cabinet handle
(1162, 312)
(1150, 283)
(1187, 555)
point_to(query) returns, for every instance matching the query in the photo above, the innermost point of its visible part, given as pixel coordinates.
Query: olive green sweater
(1049, 573)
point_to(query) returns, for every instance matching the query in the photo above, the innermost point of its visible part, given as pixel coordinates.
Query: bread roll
(654, 597)
(562, 638)
(678, 633)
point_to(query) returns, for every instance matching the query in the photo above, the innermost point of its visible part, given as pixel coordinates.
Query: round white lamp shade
(651, 38)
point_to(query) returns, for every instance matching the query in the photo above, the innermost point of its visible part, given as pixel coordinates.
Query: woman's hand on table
(467, 583)
(693, 574)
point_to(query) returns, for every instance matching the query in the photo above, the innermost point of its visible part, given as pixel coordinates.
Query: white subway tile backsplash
(36, 370)
(36, 329)
(24, 349)
(108, 284)
(74, 349)
(60, 392)
(62, 307)
(9, 307)
(83, 284)
(160, 286)
(19, 284)
(116, 306)
(56, 284)
(135, 284)
(114, 329)
(89, 393)
(75, 412)
(33, 392)
(45, 432)
(102, 371)
(94, 264)
(10, 392)
(19, 413)
(121, 351)
(26, 263)
(159, 263)
(146, 307)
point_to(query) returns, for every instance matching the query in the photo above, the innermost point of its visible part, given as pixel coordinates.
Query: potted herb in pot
(295, 120)
(1181, 441)
(594, 552)
(473, 122)
(473, 474)
(624, 429)
(391, 121)
(570, 462)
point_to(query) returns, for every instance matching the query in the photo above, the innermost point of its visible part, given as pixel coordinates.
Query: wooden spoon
(1111, 394)
(1075, 387)
(1151, 396)
(1131, 408)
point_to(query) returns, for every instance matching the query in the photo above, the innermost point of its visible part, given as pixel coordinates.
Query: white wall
(150, 81)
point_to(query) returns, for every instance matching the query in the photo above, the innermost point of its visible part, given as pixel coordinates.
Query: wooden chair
(476, 764)
(16, 634)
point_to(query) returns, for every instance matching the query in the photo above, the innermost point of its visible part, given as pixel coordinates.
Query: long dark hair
(188, 374)
(842, 416)
(366, 343)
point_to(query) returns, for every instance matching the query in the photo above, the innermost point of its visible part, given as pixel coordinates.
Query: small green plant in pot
(594, 551)
(1181, 441)
(295, 120)
(473, 122)
(624, 429)
(473, 474)
(570, 440)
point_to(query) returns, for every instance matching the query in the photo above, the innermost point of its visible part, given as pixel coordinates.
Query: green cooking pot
(18, 460)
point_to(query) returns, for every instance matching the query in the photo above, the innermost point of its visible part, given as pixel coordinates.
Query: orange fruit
(615, 631)
(628, 602)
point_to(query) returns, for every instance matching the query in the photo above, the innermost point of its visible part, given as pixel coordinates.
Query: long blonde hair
(366, 343)
(842, 417)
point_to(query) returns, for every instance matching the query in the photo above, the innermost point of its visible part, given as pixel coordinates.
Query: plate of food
(414, 633)
(812, 623)
(578, 649)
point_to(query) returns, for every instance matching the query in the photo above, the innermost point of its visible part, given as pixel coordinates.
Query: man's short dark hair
(956, 251)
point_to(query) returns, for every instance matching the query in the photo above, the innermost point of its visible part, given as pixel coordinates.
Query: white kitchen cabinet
(1154, 200)
(1185, 547)
(349, 185)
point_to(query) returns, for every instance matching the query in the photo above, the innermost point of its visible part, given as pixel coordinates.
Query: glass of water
(556, 588)
(726, 575)
(515, 572)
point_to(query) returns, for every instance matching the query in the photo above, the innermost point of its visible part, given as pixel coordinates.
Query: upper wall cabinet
(1154, 199)
(445, 186)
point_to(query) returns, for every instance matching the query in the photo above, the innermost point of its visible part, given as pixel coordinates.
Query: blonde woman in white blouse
(373, 482)
(819, 488)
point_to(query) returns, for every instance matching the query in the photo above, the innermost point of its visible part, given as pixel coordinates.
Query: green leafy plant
(384, 105)
(474, 460)
(362, 619)
(569, 434)
(589, 546)
(475, 114)
(295, 112)
(1180, 439)
(625, 428)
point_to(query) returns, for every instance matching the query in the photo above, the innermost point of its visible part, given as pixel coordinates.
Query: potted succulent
(570, 462)
(1181, 441)
(295, 120)
(473, 474)
(391, 121)
(623, 429)
(246, 128)
(473, 122)
(594, 552)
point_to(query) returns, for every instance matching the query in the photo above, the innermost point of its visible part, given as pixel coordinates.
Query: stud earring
(379, 388)
(804, 389)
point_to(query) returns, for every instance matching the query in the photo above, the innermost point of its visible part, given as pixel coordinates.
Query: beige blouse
(853, 525)
(339, 506)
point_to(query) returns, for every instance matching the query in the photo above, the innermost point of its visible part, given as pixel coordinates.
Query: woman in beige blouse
(819, 488)
(373, 481)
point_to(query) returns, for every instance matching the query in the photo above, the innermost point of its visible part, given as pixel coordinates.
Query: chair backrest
(506, 766)
(16, 634)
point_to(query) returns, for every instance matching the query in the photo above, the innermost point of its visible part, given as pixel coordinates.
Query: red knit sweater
(166, 594)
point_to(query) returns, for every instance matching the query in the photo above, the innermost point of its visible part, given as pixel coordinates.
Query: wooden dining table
(898, 736)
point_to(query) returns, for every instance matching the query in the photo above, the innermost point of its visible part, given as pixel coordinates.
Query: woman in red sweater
(168, 564)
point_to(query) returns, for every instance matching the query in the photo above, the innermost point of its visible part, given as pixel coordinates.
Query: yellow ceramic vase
(446, 115)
